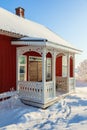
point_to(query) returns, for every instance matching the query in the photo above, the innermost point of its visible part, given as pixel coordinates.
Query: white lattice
(31, 91)
(22, 50)
(49, 90)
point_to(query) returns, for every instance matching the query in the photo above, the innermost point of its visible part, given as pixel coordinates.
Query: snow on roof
(15, 24)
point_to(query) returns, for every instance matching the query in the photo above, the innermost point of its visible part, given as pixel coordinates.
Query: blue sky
(68, 18)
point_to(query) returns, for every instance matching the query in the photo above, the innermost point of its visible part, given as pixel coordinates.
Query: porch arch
(59, 64)
(61, 72)
(32, 53)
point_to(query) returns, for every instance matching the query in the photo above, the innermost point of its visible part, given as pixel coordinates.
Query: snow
(69, 113)
(12, 23)
(7, 94)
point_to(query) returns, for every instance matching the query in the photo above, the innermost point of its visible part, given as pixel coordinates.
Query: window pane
(64, 60)
(48, 61)
(64, 71)
(22, 60)
(48, 68)
(33, 58)
(22, 69)
(22, 77)
(48, 71)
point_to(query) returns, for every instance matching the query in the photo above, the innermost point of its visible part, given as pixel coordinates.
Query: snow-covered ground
(68, 114)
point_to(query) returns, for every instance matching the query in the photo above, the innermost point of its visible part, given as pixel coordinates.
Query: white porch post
(44, 74)
(68, 71)
(54, 73)
(74, 84)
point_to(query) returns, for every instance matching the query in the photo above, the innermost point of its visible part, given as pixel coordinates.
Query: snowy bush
(82, 71)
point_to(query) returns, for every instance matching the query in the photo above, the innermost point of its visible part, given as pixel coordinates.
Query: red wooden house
(34, 60)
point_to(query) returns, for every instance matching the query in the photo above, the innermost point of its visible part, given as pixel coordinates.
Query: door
(35, 71)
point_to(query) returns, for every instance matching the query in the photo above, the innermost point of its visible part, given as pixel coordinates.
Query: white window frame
(25, 65)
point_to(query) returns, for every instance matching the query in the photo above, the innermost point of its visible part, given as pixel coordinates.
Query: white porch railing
(61, 83)
(71, 84)
(31, 91)
(49, 90)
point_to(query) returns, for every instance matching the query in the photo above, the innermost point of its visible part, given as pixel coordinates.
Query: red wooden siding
(71, 67)
(7, 64)
(59, 66)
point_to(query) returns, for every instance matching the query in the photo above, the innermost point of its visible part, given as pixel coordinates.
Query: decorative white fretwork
(22, 50)
(49, 90)
(31, 91)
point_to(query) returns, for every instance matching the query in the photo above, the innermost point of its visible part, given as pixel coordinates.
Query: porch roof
(14, 24)
(43, 42)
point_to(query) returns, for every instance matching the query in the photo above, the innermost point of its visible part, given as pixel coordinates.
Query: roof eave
(29, 42)
(10, 33)
(45, 42)
(63, 47)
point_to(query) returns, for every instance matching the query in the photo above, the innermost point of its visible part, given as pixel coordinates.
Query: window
(22, 68)
(64, 66)
(48, 69)
(35, 58)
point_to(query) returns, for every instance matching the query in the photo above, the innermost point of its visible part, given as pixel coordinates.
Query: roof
(12, 23)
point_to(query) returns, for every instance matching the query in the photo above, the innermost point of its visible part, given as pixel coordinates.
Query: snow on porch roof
(43, 42)
(12, 23)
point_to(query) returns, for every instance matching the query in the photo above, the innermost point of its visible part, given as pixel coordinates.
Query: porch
(43, 75)
(32, 92)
